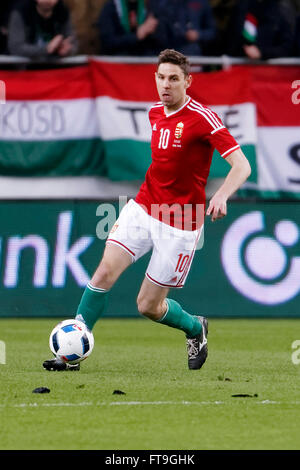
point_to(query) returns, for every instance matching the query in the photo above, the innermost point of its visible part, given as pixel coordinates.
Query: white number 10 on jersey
(164, 138)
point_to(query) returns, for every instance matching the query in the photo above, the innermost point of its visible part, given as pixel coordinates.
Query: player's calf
(151, 309)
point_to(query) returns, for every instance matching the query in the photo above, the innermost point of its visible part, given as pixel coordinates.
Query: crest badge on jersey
(179, 130)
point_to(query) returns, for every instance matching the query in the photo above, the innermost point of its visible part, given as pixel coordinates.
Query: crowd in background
(256, 29)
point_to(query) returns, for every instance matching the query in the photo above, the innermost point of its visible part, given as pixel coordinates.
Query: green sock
(176, 317)
(92, 305)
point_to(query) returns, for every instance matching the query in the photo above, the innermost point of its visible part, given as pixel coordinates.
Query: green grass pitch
(164, 406)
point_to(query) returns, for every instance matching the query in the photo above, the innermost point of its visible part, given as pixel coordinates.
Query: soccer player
(167, 215)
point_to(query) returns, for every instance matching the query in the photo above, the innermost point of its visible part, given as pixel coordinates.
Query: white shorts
(172, 249)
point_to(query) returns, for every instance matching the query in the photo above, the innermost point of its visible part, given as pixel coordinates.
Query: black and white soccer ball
(71, 341)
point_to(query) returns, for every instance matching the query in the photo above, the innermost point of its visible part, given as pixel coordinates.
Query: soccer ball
(71, 341)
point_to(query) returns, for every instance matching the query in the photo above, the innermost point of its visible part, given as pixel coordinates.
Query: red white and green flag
(93, 120)
(123, 105)
(48, 124)
(255, 103)
(250, 28)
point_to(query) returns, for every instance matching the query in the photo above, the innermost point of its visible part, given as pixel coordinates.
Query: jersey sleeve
(216, 133)
(150, 116)
(153, 113)
(223, 142)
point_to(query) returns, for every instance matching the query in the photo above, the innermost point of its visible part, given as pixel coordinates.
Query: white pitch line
(141, 403)
(24, 405)
(155, 403)
(112, 403)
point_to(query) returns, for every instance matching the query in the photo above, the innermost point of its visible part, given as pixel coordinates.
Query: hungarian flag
(125, 93)
(250, 28)
(48, 124)
(93, 120)
(257, 105)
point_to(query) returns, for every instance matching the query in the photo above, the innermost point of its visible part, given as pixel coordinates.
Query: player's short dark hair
(174, 57)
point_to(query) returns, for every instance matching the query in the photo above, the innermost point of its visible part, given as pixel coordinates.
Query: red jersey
(182, 146)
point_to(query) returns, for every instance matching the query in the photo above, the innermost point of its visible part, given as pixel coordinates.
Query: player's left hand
(217, 208)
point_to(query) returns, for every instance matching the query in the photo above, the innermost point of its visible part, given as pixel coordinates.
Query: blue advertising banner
(249, 265)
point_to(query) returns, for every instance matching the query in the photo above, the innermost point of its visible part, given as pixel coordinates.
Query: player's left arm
(239, 172)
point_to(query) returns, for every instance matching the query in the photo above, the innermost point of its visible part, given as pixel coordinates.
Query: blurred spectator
(262, 29)
(5, 9)
(174, 17)
(40, 29)
(297, 37)
(131, 27)
(200, 29)
(84, 15)
(222, 13)
(188, 24)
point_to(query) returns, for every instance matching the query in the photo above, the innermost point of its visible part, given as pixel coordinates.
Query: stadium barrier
(249, 266)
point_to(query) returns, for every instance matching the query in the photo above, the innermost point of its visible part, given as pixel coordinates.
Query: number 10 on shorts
(182, 262)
